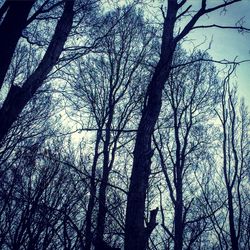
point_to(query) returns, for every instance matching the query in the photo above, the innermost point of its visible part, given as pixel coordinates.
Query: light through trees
(114, 134)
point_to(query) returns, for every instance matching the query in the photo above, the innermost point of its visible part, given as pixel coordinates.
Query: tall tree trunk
(233, 235)
(178, 173)
(234, 240)
(18, 97)
(88, 232)
(135, 233)
(228, 143)
(136, 236)
(178, 218)
(99, 244)
(11, 30)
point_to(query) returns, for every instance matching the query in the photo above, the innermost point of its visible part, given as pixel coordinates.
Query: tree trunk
(178, 172)
(234, 240)
(178, 219)
(136, 237)
(18, 97)
(11, 30)
(99, 243)
(88, 232)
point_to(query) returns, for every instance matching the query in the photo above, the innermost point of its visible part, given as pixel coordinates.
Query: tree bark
(18, 97)
(11, 30)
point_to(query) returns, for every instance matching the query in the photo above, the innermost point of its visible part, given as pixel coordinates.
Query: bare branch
(239, 28)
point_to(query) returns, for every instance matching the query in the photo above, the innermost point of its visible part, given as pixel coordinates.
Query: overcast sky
(227, 44)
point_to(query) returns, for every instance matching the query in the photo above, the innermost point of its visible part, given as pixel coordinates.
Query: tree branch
(239, 28)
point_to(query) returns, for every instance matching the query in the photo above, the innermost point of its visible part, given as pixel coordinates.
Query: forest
(119, 131)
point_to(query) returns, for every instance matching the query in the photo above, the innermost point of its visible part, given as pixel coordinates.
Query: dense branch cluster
(113, 135)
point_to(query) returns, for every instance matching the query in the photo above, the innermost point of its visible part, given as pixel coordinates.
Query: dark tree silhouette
(233, 116)
(189, 99)
(136, 235)
(18, 96)
(15, 15)
(114, 134)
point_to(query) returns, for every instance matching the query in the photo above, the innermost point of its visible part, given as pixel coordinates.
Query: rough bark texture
(136, 237)
(18, 97)
(16, 14)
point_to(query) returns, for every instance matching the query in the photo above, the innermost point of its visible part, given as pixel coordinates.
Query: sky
(227, 44)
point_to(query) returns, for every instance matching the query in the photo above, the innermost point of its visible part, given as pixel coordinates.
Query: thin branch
(184, 12)
(202, 11)
(240, 28)
(223, 62)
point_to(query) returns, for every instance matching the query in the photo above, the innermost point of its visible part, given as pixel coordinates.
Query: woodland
(114, 134)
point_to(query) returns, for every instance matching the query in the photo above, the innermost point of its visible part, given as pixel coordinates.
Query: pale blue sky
(227, 44)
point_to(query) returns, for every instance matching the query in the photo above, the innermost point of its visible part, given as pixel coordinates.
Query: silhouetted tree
(235, 143)
(190, 96)
(19, 96)
(136, 235)
(110, 90)
(14, 14)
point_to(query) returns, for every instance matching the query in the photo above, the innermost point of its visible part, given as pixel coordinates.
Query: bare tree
(136, 235)
(189, 99)
(235, 151)
(86, 90)
(111, 91)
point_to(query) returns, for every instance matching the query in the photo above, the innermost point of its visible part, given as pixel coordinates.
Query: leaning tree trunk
(136, 235)
(18, 97)
(15, 20)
